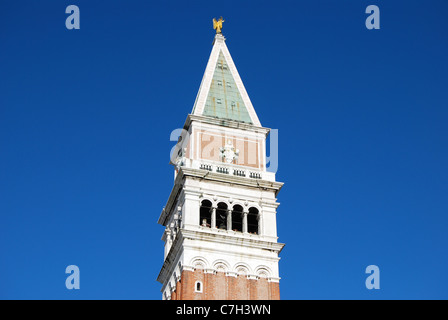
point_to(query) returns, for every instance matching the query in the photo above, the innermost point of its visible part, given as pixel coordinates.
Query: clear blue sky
(86, 115)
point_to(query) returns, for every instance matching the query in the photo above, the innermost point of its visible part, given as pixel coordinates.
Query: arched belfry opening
(252, 221)
(237, 218)
(205, 215)
(221, 216)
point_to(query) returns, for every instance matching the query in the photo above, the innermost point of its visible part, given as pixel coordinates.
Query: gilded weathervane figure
(217, 25)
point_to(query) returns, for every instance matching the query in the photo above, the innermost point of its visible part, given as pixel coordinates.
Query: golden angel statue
(217, 25)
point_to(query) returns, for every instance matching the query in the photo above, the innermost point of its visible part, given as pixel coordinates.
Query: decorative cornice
(224, 178)
(231, 239)
(225, 123)
(210, 270)
(252, 277)
(231, 274)
(187, 268)
(171, 260)
(177, 188)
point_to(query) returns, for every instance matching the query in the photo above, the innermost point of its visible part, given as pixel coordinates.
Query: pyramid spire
(222, 93)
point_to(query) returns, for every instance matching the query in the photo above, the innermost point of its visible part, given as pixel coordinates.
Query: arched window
(237, 218)
(205, 218)
(198, 286)
(252, 221)
(221, 216)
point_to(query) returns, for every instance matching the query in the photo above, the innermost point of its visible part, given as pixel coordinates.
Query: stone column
(229, 219)
(213, 222)
(245, 221)
(169, 240)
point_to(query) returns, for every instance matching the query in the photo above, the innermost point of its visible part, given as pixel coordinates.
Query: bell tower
(220, 218)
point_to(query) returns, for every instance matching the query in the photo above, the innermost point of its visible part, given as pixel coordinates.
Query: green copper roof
(224, 99)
